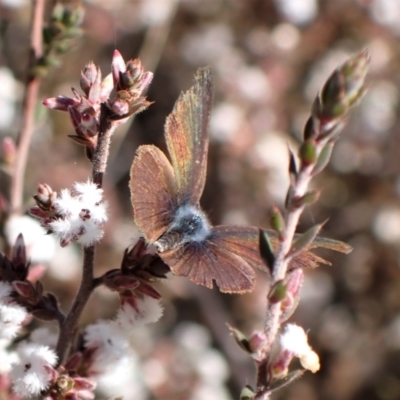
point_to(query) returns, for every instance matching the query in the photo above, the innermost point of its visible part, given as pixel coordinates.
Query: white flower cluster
(81, 215)
(26, 367)
(30, 375)
(12, 315)
(115, 364)
(294, 339)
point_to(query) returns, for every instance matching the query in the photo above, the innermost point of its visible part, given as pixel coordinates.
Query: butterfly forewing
(152, 191)
(207, 262)
(186, 134)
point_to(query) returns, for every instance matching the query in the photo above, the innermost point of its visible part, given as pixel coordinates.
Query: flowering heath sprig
(73, 216)
(121, 93)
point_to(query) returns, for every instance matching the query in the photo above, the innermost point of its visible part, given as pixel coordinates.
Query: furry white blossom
(110, 345)
(148, 310)
(81, 215)
(294, 339)
(12, 315)
(7, 357)
(29, 376)
(115, 364)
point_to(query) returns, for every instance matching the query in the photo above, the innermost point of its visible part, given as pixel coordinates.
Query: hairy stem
(29, 103)
(281, 262)
(273, 312)
(68, 328)
(343, 88)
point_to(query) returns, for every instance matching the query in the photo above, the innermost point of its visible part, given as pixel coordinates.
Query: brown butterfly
(166, 197)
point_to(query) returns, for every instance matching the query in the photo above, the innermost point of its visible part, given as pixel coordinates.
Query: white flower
(115, 365)
(89, 193)
(81, 215)
(310, 361)
(7, 357)
(12, 315)
(29, 376)
(11, 318)
(294, 339)
(110, 346)
(123, 378)
(147, 310)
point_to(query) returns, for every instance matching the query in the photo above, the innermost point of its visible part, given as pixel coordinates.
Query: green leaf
(305, 240)
(323, 158)
(277, 221)
(309, 198)
(308, 152)
(266, 250)
(278, 292)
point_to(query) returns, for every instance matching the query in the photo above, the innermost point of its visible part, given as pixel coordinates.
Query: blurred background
(269, 60)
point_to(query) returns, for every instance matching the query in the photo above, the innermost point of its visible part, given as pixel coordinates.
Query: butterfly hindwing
(241, 240)
(244, 242)
(207, 262)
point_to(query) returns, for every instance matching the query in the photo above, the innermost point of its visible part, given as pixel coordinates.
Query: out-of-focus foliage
(269, 59)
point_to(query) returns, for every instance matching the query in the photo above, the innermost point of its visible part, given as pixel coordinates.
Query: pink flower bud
(120, 106)
(117, 66)
(61, 103)
(83, 384)
(294, 280)
(19, 251)
(106, 87)
(145, 81)
(257, 341)
(279, 367)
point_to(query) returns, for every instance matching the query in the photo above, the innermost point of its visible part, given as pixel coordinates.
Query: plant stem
(281, 262)
(273, 312)
(100, 156)
(29, 103)
(68, 328)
